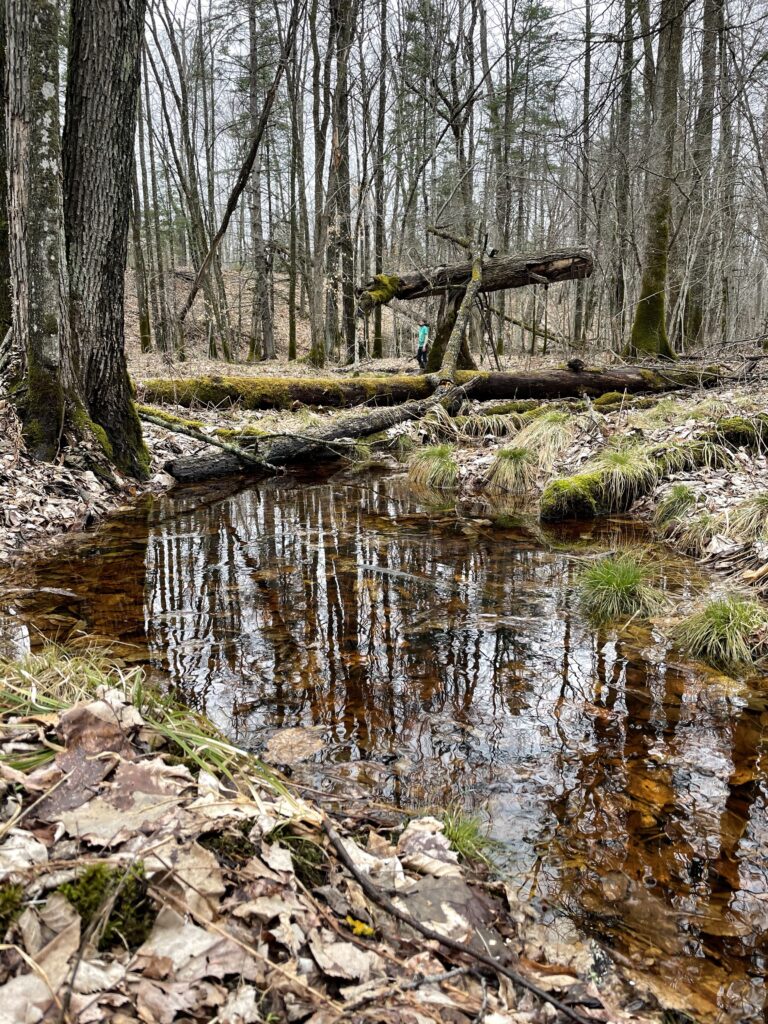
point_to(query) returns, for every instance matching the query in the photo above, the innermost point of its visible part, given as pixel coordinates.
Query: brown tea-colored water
(445, 660)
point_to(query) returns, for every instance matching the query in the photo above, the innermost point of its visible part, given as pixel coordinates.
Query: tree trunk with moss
(102, 89)
(37, 259)
(649, 330)
(449, 312)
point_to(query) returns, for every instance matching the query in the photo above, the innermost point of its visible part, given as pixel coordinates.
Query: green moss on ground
(131, 916)
(11, 905)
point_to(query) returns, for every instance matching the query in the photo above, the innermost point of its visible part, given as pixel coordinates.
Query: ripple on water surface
(445, 659)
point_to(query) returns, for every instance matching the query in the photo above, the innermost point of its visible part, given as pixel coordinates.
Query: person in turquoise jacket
(423, 349)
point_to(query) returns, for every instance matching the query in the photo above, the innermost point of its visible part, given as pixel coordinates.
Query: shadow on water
(444, 659)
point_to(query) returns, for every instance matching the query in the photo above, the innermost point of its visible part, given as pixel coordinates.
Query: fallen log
(329, 441)
(499, 272)
(287, 392)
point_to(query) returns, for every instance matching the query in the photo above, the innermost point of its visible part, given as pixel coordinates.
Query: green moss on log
(572, 497)
(169, 418)
(609, 400)
(385, 288)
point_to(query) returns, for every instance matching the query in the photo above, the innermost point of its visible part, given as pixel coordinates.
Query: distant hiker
(423, 350)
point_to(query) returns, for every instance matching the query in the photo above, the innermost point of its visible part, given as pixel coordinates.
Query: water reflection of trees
(628, 787)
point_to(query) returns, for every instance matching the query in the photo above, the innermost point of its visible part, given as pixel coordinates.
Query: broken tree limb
(499, 272)
(325, 442)
(447, 372)
(286, 392)
(177, 427)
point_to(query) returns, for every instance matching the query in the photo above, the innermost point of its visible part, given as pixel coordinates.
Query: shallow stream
(444, 660)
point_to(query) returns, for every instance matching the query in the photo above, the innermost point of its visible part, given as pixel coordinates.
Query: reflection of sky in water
(446, 660)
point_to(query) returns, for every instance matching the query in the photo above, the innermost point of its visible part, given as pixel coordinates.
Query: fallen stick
(386, 904)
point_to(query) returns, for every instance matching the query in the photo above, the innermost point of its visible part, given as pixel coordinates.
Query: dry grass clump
(727, 632)
(434, 468)
(693, 534)
(547, 436)
(617, 587)
(674, 507)
(513, 470)
(749, 520)
(491, 425)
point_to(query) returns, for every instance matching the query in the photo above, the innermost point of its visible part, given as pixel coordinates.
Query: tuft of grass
(674, 506)
(727, 632)
(434, 468)
(617, 587)
(490, 425)
(626, 473)
(55, 679)
(548, 435)
(468, 836)
(693, 534)
(513, 470)
(115, 902)
(749, 520)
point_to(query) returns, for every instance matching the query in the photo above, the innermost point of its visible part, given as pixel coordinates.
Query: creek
(441, 654)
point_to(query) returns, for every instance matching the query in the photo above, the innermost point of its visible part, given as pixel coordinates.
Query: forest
(384, 511)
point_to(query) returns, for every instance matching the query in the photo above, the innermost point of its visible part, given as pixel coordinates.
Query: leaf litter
(156, 890)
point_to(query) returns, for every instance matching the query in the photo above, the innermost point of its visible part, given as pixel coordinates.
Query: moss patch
(130, 919)
(385, 288)
(11, 905)
(572, 497)
(609, 399)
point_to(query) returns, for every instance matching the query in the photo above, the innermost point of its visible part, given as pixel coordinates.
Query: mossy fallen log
(328, 441)
(286, 392)
(499, 273)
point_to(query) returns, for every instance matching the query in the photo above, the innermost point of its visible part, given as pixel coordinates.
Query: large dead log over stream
(499, 272)
(285, 392)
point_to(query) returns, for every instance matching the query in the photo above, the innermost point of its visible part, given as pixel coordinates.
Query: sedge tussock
(547, 436)
(513, 470)
(618, 587)
(468, 836)
(625, 473)
(749, 520)
(434, 468)
(694, 533)
(726, 632)
(674, 506)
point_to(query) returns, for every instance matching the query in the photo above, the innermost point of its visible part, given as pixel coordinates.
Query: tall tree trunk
(40, 322)
(649, 330)
(702, 158)
(5, 270)
(581, 217)
(378, 344)
(623, 136)
(261, 318)
(102, 89)
(140, 270)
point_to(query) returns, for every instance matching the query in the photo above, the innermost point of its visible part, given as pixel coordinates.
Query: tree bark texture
(102, 90)
(38, 263)
(499, 272)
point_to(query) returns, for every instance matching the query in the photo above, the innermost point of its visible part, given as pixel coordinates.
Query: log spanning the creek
(335, 393)
(331, 440)
(499, 272)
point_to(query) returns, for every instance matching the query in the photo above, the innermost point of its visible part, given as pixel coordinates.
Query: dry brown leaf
(289, 746)
(342, 959)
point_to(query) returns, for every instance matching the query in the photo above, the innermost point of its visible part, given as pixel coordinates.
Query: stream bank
(429, 654)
